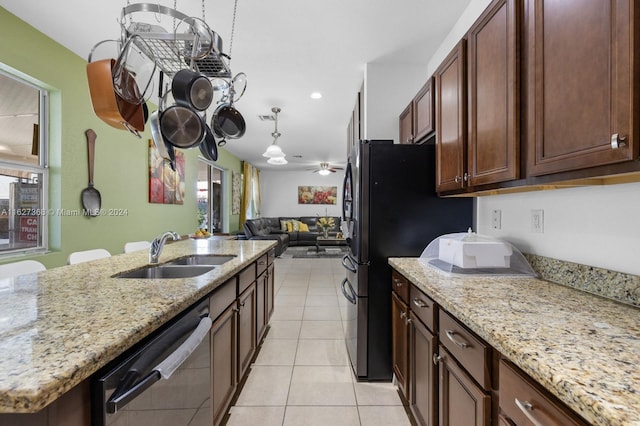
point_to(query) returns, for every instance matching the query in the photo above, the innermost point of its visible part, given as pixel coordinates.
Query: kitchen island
(582, 348)
(60, 326)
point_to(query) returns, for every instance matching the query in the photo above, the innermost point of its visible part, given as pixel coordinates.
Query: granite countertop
(584, 349)
(59, 326)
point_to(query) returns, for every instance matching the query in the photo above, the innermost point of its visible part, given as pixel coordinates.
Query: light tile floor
(302, 374)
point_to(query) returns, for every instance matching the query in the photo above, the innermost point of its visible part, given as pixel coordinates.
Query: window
(210, 196)
(23, 166)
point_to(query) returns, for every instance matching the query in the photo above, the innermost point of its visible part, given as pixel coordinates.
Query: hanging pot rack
(192, 44)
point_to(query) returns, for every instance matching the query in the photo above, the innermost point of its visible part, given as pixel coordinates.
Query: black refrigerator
(390, 209)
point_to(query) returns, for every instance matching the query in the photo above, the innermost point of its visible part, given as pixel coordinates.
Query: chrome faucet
(158, 243)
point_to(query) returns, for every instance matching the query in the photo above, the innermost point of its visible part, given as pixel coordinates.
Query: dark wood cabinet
(581, 90)
(523, 402)
(223, 362)
(493, 95)
(261, 306)
(400, 343)
(423, 373)
(246, 306)
(417, 120)
(355, 129)
(423, 113)
(451, 120)
(271, 277)
(406, 125)
(462, 401)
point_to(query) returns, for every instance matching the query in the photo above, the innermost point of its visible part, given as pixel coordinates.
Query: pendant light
(274, 152)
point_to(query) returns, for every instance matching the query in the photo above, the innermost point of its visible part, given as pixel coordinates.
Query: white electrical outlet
(537, 221)
(496, 219)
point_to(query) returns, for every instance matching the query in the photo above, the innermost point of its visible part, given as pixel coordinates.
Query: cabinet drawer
(246, 277)
(400, 285)
(470, 351)
(270, 256)
(221, 298)
(262, 264)
(524, 403)
(423, 307)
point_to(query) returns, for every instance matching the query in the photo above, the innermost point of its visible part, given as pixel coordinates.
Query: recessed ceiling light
(316, 95)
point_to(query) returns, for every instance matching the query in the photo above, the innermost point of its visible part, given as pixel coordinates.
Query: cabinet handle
(408, 321)
(466, 177)
(436, 359)
(527, 409)
(618, 141)
(457, 179)
(403, 314)
(461, 343)
(397, 282)
(419, 303)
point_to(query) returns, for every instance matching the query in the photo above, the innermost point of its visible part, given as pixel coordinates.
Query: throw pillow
(303, 227)
(283, 225)
(296, 225)
(289, 226)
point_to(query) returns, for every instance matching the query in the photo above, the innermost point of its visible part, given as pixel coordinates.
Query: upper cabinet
(580, 97)
(451, 134)
(355, 129)
(417, 119)
(493, 94)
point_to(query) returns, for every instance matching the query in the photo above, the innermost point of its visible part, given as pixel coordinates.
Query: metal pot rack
(192, 44)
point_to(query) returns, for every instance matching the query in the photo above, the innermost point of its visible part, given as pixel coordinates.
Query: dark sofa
(270, 228)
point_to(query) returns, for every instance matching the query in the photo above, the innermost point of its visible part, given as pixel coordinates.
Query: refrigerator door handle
(347, 262)
(350, 297)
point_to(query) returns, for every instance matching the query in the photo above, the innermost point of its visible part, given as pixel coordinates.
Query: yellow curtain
(250, 205)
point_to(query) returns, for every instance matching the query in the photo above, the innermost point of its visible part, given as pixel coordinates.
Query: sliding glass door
(210, 197)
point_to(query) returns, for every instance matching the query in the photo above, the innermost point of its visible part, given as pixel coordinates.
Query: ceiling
(288, 49)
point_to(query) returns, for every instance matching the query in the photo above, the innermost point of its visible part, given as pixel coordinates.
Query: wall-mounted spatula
(90, 196)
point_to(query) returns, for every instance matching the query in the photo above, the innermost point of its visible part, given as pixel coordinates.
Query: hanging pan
(227, 122)
(180, 125)
(208, 146)
(192, 89)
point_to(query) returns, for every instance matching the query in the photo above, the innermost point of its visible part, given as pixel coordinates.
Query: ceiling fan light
(324, 172)
(278, 161)
(273, 150)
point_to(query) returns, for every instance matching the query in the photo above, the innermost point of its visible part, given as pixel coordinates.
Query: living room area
(301, 210)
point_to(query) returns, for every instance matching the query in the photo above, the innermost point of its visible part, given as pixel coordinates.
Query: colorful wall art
(317, 194)
(166, 186)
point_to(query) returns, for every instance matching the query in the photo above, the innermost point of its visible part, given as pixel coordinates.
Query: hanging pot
(208, 146)
(227, 122)
(193, 89)
(181, 126)
(107, 104)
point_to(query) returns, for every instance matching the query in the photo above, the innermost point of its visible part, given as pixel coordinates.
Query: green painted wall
(121, 167)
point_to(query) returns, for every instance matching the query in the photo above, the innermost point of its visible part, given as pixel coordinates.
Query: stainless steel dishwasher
(166, 380)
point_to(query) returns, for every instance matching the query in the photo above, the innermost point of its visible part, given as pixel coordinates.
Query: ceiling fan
(325, 169)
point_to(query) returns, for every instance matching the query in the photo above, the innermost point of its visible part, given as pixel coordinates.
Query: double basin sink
(182, 267)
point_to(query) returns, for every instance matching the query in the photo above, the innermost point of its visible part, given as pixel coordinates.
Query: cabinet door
(261, 306)
(462, 402)
(423, 120)
(423, 373)
(270, 290)
(580, 83)
(406, 125)
(223, 362)
(400, 350)
(246, 328)
(451, 120)
(494, 142)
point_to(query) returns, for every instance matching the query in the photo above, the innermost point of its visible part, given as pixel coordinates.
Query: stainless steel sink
(166, 271)
(202, 259)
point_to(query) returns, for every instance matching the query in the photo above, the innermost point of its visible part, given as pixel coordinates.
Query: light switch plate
(496, 219)
(537, 221)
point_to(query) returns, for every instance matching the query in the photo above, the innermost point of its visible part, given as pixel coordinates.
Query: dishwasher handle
(165, 369)
(351, 296)
(171, 363)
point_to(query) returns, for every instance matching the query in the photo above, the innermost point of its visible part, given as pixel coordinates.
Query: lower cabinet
(224, 359)
(462, 401)
(246, 306)
(423, 373)
(400, 344)
(261, 305)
